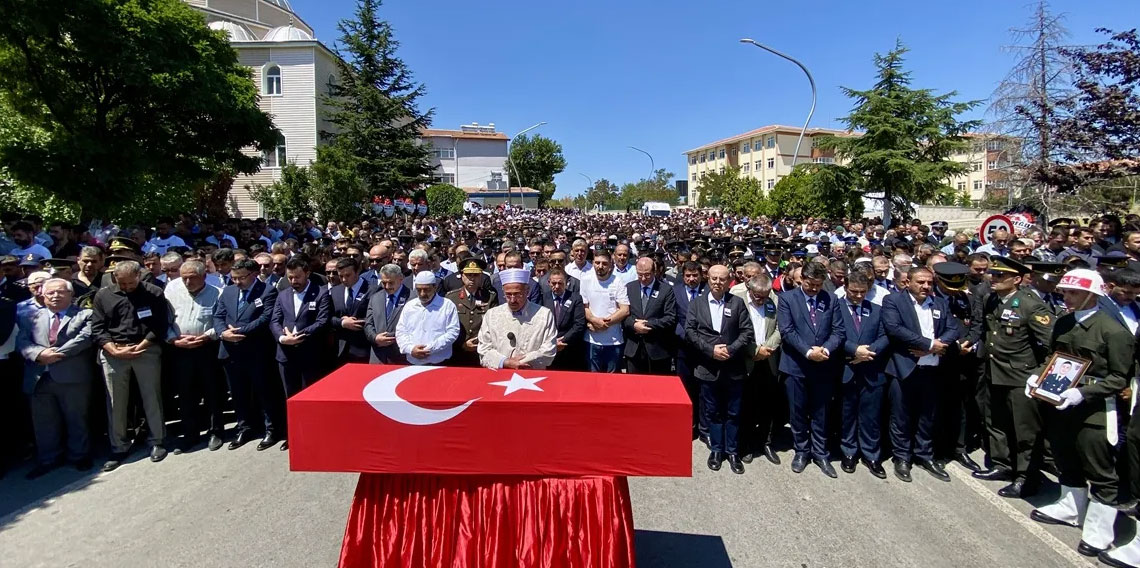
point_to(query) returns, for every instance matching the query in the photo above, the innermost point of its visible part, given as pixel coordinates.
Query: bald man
(652, 318)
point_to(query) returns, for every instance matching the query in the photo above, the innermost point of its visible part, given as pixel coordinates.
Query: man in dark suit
(557, 259)
(690, 284)
(765, 407)
(921, 328)
(812, 333)
(382, 315)
(720, 330)
(349, 308)
(569, 321)
(241, 321)
(651, 323)
(864, 381)
(299, 318)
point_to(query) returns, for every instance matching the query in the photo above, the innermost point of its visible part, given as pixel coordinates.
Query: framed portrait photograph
(1062, 372)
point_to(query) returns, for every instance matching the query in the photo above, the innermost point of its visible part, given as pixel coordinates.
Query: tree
(338, 191)
(729, 191)
(538, 160)
(445, 199)
(634, 195)
(814, 190)
(909, 135)
(108, 103)
(374, 110)
(603, 192)
(290, 196)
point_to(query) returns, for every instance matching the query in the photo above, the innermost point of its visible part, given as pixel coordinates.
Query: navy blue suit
(863, 383)
(247, 362)
(301, 364)
(352, 346)
(570, 327)
(914, 388)
(685, 353)
(809, 383)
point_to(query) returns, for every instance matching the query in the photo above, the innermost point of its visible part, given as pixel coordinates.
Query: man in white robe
(517, 334)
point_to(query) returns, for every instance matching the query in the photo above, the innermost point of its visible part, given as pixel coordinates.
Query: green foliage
(111, 103)
(538, 160)
(339, 192)
(374, 111)
(634, 195)
(603, 192)
(730, 191)
(908, 137)
(445, 199)
(288, 197)
(815, 190)
(50, 207)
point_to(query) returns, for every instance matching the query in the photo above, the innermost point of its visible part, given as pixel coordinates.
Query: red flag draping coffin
(453, 420)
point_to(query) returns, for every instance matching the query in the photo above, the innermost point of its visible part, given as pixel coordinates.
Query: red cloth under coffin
(418, 521)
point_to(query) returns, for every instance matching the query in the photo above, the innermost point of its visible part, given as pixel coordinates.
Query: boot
(1065, 511)
(1125, 556)
(1098, 533)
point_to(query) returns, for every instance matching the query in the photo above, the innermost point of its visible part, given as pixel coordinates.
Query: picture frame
(1061, 372)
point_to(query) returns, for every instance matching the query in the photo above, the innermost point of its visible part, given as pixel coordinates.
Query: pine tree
(907, 138)
(374, 108)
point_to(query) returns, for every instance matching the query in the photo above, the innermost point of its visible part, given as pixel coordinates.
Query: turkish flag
(453, 420)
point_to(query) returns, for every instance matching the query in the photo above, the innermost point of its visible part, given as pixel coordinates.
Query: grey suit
(378, 320)
(59, 394)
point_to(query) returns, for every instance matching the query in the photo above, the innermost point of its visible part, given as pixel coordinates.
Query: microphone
(511, 337)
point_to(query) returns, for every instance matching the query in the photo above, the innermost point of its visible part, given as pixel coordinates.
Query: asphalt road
(244, 508)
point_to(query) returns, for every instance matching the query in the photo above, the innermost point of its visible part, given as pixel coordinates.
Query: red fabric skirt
(417, 521)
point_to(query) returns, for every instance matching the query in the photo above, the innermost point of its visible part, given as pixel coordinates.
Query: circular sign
(992, 224)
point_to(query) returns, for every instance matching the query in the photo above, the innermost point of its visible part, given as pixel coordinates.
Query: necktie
(858, 317)
(391, 308)
(243, 297)
(53, 331)
(557, 308)
(692, 295)
(811, 310)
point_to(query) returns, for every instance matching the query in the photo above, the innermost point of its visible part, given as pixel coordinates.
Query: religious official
(472, 302)
(652, 318)
(865, 349)
(428, 325)
(519, 334)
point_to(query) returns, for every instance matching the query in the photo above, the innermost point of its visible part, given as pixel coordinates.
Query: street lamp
(652, 167)
(511, 159)
(591, 180)
(810, 80)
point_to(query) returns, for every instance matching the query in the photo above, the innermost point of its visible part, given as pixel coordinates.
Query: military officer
(1044, 284)
(1083, 427)
(471, 303)
(960, 423)
(1017, 327)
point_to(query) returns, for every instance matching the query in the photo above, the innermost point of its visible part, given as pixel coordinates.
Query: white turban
(425, 278)
(515, 276)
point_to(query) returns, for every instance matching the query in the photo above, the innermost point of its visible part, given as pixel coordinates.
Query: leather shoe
(1046, 519)
(848, 464)
(704, 438)
(876, 469)
(934, 468)
(157, 454)
(84, 464)
(799, 463)
(771, 454)
(1105, 558)
(266, 442)
(284, 445)
(114, 462)
(1021, 487)
(715, 459)
(735, 464)
(902, 471)
(1089, 550)
(825, 467)
(242, 438)
(967, 462)
(994, 474)
(215, 443)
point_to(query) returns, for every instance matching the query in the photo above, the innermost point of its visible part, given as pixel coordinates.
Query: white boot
(1098, 532)
(1065, 511)
(1126, 556)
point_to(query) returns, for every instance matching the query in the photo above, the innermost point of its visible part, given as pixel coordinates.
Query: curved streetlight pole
(591, 180)
(652, 166)
(512, 162)
(810, 80)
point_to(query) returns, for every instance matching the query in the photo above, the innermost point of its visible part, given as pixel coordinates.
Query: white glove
(1029, 384)
(1071, 397)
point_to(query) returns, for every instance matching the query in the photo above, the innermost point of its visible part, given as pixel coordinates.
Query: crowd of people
(809, 333)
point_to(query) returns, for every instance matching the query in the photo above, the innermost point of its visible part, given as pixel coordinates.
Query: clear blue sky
(668, 76)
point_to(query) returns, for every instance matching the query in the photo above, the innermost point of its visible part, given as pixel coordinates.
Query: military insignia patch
(1043, 320)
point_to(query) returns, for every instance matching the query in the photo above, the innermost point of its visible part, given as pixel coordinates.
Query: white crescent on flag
(380, 393)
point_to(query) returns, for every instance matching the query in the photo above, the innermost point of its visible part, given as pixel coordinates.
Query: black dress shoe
(848, 464)
(934, 468)
(825, 467)
(715, 459)
(771, 454)
(84, 464)
(876, 469)
(967, 462)
(266, 442)
(215, 443)
(187, 445)
(995, 474)
(799, 463)
(1021, 487)
(902, 471)
(1046, 519)
(704, 438)
(114, 462)
(284, 445)
(1105, 558)
(746, 457)
(157, 454)
(1089, 550)
(735, 464)
(242, 438)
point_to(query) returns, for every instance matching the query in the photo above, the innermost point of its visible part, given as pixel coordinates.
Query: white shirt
(350, 293)
(875, 294)
(299, 300)
(925, 313)
(161, 245)
(579, 273)
(192, 314)
(759, 322)
(991, 250)
(435, 326)
(716, 312)
(603, 299)
(1129, 318)
(628, 276)
(225, 242)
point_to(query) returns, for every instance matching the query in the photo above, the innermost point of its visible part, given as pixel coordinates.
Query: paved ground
(243, 508)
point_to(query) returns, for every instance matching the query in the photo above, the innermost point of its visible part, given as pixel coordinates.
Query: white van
(656, 209)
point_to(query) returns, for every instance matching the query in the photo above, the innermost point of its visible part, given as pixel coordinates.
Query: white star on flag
(517, 383)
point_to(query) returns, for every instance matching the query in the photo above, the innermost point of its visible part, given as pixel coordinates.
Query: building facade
(472, 157)
(766, 154)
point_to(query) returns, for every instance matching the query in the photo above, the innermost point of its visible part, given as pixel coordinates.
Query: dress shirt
(350, 293)
(579, 273)
(1130, 317)
(626, 276)
(299, 299)
(759, 322)
(716, 312)
(925, 312)
(435, 326)
(193, 313)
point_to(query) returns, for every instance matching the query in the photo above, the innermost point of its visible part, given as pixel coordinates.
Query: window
(978, 184)
(745, 148)
(712, 156)
(770, 142)
(961, 186)
(976, 167)
(444, 178)
(757, 165)
(771, 183)
(992, 165)
(694, 176)
(745, 167)
(721, 154)
(272, 80)
(692, 160)
(995, 145)
(443, 153)
(823, 160)
(721, 169)
(771, 163)
(274, 157)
